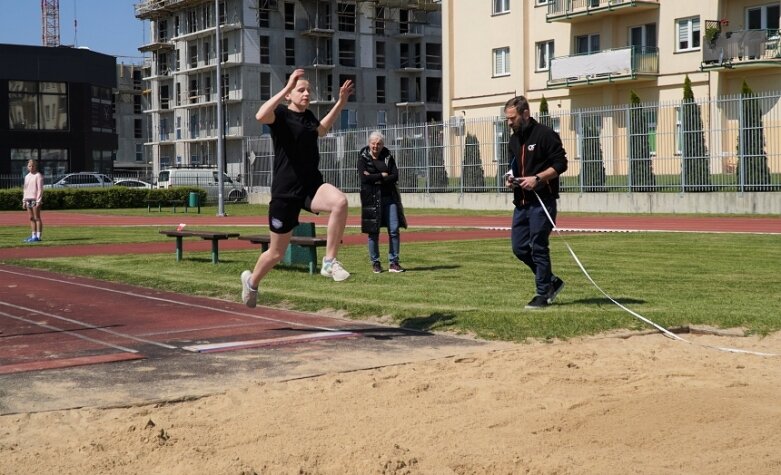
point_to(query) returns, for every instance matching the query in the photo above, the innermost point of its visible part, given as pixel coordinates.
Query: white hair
(376, 135)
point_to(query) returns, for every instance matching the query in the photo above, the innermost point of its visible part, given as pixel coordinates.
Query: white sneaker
(248, 296)
(334, 270)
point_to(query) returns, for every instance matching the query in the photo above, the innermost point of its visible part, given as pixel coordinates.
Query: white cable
(664, 331)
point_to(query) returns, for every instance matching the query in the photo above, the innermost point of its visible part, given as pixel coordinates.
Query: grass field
(478, 287)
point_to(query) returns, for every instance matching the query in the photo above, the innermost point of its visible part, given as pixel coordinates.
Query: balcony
(619, 64)
(157, 45)
(732, 49)
(425, 5)
(318, 29)
(577, 10)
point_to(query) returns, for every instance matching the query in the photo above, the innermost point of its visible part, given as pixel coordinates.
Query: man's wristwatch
(537, 177)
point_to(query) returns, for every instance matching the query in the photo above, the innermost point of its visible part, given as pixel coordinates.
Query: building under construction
(391, 49)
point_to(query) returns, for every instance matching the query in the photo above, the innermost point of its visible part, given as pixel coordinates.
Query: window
(193, 56)
(434, 56)
(207, 88)
(688, 32)
(586, 44)
(40, 105)
(265, 86)
(501, 61)
(379, 20)
(138, 128)
(137, 104)
(290, 16)
(643, 36)
(542, 2)
(139, 152)
(178, 128)
(193, 91)
(346, 16)
(342, 79)
(379, 54)
(544, 55)
(162, 31)
(501, 6)
(225, 86)
(290, 51)
(434, 90)
(206, 53)
(264, 18)
(382, 118)
(178, 93)
(194, 125)
(380, 89)
(763, 18)
(101, 104)
(165, 96)
(225, 48)
(348, 119)
(347, 53)
(265, 50)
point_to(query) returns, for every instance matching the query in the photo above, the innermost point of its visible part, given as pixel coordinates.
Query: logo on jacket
(276, 223)
(531, 147)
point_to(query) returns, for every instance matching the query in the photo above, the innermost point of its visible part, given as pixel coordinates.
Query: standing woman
(297, 182)
(32, 200)
(380, 200)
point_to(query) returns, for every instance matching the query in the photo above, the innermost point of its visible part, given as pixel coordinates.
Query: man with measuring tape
(537, 158)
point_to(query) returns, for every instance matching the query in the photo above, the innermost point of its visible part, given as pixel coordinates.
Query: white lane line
(68, 332)
(177, 302)
(88, 326)
(268, 341)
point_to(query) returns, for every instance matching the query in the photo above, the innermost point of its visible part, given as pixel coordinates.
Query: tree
(753, 171)
(545, 117)
(593, 167)
(696, 174)
(641, 174)
(474, 176)
(437, 173)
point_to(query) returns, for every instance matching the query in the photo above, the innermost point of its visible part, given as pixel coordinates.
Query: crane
(50, 22)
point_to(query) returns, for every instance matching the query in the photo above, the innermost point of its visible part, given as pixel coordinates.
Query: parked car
(132, 183)
(82, 180)
(205, 178)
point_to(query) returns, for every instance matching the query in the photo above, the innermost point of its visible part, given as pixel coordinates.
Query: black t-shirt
(296, 155)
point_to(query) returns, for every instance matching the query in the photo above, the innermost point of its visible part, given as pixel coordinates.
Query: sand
(645, 404)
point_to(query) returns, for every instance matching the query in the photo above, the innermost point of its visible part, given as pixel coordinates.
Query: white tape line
(665, 331)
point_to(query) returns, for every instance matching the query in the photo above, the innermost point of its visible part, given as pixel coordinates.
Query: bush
(112, 197)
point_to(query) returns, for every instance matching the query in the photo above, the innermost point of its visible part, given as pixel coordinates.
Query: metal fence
(730, 143)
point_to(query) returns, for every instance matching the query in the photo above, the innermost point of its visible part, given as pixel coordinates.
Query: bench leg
(215, 251)
(312, 260)
(178, 248)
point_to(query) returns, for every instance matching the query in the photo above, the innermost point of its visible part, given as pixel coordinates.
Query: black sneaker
(537, 303)
(376, 267)
(556, 285)
(395, 267)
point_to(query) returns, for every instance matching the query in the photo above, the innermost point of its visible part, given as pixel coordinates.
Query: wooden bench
(160, 203)
(309, 243)
(214, 237)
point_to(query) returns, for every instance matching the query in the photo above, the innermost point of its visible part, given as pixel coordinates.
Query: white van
(205, 178)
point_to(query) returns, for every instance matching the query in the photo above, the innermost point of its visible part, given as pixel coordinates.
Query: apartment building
(130, 101)
(390, 48)
(594, 53)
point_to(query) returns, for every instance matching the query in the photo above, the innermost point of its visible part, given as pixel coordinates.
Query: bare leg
(331, 200)
(31, 213)
(271, 257)
(38, 222)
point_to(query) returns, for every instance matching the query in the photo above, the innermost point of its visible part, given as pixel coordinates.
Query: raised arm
(265, 114)
(328, 121)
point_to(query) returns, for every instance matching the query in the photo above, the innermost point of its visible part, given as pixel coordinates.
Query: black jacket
(374, 186)
(532, 150)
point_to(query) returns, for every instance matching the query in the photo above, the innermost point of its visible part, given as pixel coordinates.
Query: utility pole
(220, 124)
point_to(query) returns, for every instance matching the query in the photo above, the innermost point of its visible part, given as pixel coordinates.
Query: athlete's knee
(32, 218)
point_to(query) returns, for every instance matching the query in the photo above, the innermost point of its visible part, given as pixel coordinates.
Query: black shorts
(283, 213)
(29, 204)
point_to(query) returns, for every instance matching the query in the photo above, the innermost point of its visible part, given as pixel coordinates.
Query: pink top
(33, 186)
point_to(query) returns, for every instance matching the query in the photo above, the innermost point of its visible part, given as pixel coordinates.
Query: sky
(105, 26)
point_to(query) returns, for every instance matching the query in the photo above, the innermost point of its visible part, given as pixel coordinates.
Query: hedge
(111, 197)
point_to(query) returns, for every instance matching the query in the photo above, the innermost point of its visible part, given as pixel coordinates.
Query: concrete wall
(663, 203)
